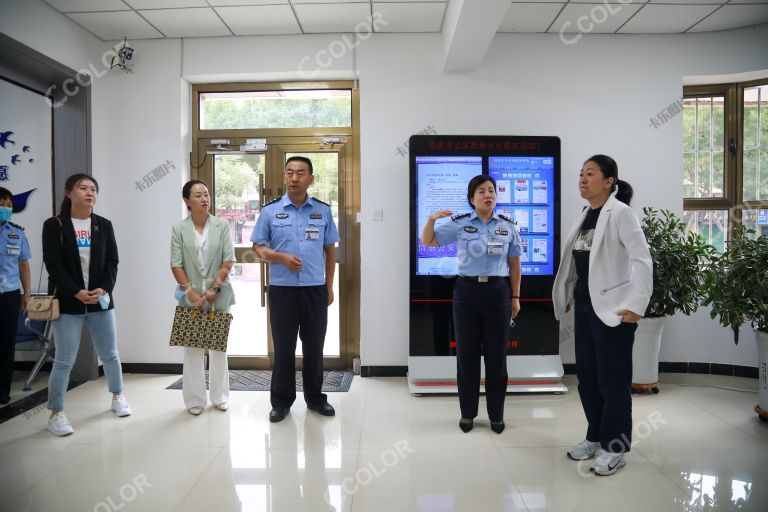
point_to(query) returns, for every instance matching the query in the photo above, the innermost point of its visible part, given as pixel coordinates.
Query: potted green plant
(677, 257)
(736, 287)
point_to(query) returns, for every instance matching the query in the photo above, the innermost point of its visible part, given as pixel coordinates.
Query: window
(725, 159)
(755, 186)
(311, 108)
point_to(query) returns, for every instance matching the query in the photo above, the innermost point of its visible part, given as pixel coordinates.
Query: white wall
(597, 96)
(43, 28)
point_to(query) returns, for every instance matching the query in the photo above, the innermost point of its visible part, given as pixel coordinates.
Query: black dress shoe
(466, 425)
(325, 409)
(5, 400)
(497, 426)
(278, 414)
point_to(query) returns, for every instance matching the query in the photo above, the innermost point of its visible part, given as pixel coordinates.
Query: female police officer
(485, 296)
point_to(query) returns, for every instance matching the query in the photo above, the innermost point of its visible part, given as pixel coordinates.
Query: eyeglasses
(291, 174)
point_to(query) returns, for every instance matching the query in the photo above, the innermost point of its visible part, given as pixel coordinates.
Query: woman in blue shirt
(485, 296)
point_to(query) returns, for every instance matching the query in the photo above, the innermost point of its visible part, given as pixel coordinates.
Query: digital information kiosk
(527, 174)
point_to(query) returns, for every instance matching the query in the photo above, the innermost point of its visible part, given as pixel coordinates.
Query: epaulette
(16, 225)
(460, 216)
(319, 201)
(504, 217)
(272, 201)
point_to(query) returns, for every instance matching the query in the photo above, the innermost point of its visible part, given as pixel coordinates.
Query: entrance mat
(259, 380)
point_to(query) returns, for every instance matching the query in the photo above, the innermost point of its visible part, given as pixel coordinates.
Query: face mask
(5, 213)
(180, 294)
(104, 301)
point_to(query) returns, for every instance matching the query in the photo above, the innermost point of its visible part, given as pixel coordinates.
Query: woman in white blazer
(606, 275)
(202, 255)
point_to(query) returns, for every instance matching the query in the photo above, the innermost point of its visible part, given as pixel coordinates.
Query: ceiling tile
(734, 16)
(260, 20)
(165, 4)
(689, 2)
(665, 19)
(231, 3)
(529, 17)
(409, 17)
(87, 5)
(325, 18)
(593, 18)
(187, 22)
(294, 2)
(115, 25)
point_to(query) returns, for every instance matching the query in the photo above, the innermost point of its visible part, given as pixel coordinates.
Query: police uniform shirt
(299, 231)
(482, 248)
(13, 249)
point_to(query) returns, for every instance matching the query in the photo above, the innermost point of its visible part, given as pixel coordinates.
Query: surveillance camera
(126, 52)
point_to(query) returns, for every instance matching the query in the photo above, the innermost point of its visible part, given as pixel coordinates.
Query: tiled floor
(696, 446)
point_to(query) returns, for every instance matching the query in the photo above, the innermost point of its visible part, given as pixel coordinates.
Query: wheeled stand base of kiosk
(527, 374)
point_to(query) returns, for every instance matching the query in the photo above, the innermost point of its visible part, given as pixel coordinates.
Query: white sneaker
(121, 407)
(195, 411)
(607, 463)
(584, 450)
(59, 425)
(223, 406)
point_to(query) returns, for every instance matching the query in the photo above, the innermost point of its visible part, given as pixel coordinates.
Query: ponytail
(624, 192)
(610, 169)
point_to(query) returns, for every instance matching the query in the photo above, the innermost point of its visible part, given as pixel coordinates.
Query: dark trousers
(10, 304)
(604, 369)
(302, 311)
(481, 313)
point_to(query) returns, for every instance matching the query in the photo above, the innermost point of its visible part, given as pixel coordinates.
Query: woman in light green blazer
(202, 255)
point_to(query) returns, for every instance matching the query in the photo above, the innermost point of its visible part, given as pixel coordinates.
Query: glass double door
(241, 183)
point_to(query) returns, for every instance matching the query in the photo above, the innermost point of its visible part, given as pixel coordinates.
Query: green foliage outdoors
(277, 113)
(704, 146)
(236, 180)
(677, 259)
(736, 282)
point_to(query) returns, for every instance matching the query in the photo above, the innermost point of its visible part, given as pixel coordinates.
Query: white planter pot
(645, 352)
(762, 368)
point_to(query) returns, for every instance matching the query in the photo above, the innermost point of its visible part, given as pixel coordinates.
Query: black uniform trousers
(481, 313)
(298, 311)
(10, 304)
(604, 370)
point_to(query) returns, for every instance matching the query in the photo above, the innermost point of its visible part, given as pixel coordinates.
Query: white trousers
(194, 377)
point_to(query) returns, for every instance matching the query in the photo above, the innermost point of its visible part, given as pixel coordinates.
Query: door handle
(262, 263)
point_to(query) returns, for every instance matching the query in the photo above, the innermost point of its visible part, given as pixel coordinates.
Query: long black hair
(476, 182)
(69, 186)
(610, 169)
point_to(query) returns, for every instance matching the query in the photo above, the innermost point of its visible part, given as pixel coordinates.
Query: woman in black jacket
(80, 254)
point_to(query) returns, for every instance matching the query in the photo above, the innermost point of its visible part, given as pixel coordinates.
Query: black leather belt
(484, 279)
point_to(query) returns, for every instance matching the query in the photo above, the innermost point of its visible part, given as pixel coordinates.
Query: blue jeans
(67, 331)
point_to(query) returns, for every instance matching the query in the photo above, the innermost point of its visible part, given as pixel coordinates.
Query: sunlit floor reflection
(384, 451)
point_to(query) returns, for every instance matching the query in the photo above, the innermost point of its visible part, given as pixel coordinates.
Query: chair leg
(36, 368)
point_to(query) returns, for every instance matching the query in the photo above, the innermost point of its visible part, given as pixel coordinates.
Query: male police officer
(14, 264)
(296, 234)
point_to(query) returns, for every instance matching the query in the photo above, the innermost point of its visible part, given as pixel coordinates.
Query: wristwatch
(217, 289)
